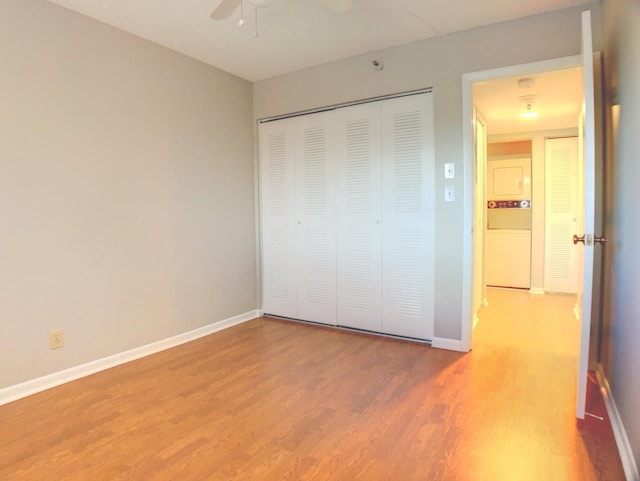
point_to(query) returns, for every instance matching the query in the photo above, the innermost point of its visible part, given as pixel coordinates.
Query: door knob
(599, 240)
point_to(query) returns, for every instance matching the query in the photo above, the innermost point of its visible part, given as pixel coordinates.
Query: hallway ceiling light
(530, 113)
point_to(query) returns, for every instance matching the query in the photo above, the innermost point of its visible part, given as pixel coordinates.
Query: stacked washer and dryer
(508, 239)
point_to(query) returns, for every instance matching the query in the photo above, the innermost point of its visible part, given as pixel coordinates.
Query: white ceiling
(558, 100)
(295, 34)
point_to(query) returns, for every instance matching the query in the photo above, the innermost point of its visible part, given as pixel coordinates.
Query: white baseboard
(536, 290)
(448, 344)
(622, 440)
(18, 391)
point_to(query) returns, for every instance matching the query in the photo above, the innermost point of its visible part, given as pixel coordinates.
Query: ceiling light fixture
(529, 114)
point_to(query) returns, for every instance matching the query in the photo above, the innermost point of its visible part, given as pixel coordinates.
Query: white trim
(537, 291)
(468, 79)
(468, 170)
(622, 440)
(18, 391)
(476, 320)
(448, 344)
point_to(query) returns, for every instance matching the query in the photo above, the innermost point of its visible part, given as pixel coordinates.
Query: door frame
(478, 118)
(468, 79)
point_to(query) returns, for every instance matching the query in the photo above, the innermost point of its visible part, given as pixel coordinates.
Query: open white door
(587, 238)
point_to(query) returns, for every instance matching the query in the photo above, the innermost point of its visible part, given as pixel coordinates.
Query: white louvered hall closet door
(359, 214)
(277, 183)
(408, 219)
(316, 219)
(561, 210)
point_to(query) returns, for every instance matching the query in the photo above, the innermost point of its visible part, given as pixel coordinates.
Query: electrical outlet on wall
(56, 339)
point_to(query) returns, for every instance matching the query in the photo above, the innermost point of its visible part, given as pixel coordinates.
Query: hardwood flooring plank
(272, 400)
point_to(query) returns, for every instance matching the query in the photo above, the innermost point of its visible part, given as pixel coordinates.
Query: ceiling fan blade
(224, 9)
(338, 6)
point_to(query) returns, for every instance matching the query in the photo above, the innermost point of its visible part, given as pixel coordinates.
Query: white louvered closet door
(561, 210)
(316, 219)
(408, 196)
(277, 183)
(358, 177)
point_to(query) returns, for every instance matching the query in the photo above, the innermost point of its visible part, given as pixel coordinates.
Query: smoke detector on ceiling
(526, 83)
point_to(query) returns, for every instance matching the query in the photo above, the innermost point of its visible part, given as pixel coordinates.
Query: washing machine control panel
(509, 204)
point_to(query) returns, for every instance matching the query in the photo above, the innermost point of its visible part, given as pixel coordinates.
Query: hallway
(530, 345)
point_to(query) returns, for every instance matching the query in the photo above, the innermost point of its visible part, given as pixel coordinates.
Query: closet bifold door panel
(347, 212)
(359, 234)
(561, 211)
(278, 203)
(408, 216)
(316, 218)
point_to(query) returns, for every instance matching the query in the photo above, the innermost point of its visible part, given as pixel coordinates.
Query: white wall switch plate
(449, 170)
(449, 193)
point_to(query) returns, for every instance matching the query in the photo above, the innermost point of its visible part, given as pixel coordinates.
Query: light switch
(449, 170)
(449, 193)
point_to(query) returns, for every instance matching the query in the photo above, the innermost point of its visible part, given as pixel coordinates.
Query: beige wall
(437, 63)
(621, 330)
(126, 191)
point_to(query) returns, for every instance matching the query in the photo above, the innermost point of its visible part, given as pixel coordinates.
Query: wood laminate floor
(273, 400)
